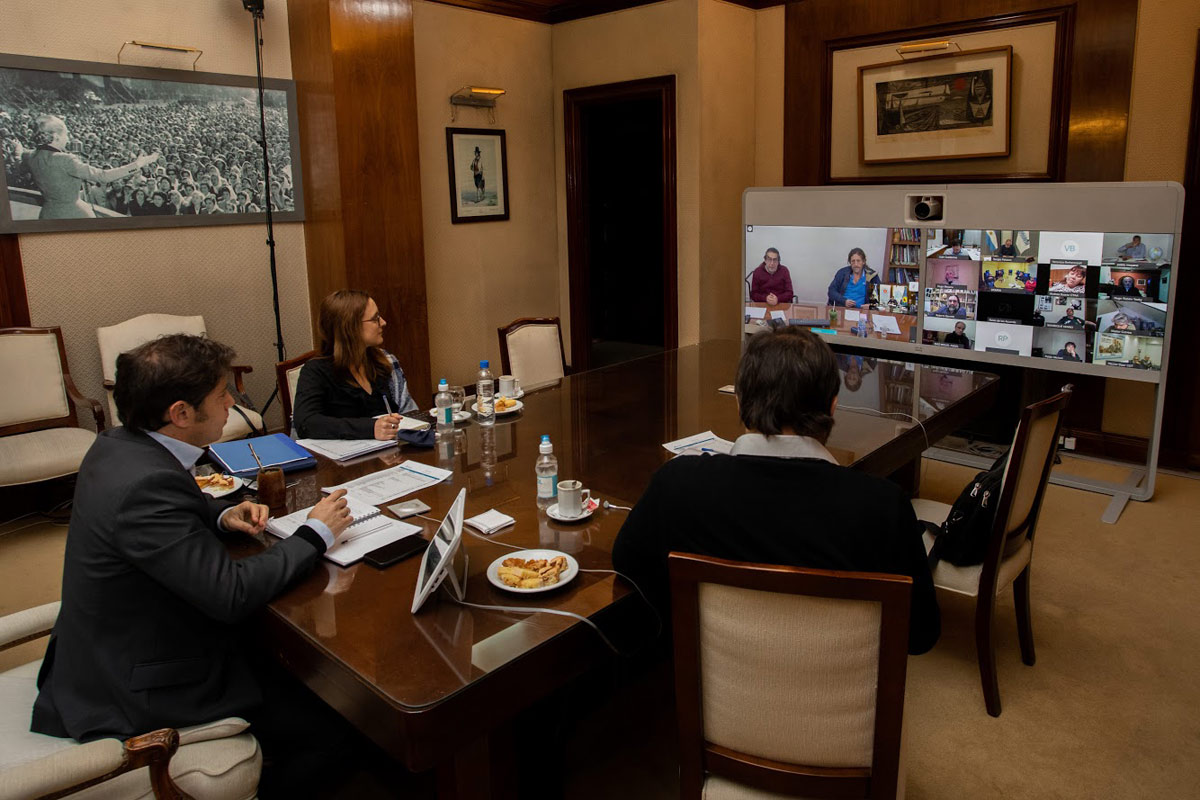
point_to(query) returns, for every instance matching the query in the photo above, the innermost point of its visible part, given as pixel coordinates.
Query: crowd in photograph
(208, 157)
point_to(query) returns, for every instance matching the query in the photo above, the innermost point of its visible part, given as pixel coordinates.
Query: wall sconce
(163, 48)
(922, 49)
(476, 97)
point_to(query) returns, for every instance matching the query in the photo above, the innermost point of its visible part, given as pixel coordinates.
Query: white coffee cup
(509, 386)
(571, 497)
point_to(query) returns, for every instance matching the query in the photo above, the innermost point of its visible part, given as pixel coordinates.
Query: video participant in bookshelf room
(855, 285)
(952, 308)
(1133, 250)
(787, 390)
(770, 282)
(1068, 353)
(355, 389)
(959, 336)
(152, 631)
(1073, 281)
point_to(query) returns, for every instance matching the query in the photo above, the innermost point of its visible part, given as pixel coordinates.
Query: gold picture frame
(947, 106)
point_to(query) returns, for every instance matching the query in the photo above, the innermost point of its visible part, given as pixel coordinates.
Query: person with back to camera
(770, 282)
(959, 336)
(354, 389)
(855, 285)
(1067, 352)
(1126, 287)
(787, 390)
(150, 634)
(1072, 283)
(952, 308)
(58, 174)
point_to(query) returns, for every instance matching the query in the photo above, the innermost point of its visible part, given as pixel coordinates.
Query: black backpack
(963, 538)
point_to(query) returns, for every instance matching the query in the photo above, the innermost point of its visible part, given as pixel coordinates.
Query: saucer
(459, 416)
(590, 509)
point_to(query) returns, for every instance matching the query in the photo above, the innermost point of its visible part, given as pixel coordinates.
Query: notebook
(369, 531)
(276, 450)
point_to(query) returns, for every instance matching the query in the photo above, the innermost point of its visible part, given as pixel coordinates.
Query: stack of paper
(369, 531)
(344, 449)
(489, 522)
(706, 443)
(388, 484)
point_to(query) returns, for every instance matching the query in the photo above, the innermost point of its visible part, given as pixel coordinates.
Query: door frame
(661, 88)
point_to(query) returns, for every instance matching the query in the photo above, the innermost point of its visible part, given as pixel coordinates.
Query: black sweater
(327, 407)
(793, 511)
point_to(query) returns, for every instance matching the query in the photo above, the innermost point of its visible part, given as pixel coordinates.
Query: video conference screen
(1087, 297)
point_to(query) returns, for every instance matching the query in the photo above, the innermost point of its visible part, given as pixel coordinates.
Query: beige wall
(642, 42)
(726, 62)
(85, 280)
(485, 274)
(768, 88)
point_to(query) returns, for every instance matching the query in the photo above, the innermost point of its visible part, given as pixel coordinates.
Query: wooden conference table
(432, 688)
(843, 324)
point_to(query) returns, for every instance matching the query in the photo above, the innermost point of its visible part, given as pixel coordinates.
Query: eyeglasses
(772, 258)
(376, 319)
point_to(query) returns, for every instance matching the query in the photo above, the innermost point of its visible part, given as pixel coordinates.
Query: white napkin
(489, 521)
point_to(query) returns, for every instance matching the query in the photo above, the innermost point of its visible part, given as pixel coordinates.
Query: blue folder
(276, 450)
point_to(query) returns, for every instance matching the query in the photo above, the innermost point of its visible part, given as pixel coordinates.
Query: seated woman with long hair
(355, 389)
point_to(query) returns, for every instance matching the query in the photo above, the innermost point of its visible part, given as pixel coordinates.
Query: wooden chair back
(38, 392)
(531, 348)
(788, 680)
(287, 375)
(1025, 477)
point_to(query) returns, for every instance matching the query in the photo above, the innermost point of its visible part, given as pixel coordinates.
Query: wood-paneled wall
(14, 305)
(354, 68)
(1101, 72)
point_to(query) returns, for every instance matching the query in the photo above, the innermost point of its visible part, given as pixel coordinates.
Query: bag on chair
(963, 538)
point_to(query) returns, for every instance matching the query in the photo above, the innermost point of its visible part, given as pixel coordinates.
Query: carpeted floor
(1108, 711)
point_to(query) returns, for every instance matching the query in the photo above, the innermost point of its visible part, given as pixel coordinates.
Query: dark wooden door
(620, 153)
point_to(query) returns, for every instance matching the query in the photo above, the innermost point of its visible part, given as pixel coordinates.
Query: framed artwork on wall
(477, 160)
(91, 146)
(951, 105)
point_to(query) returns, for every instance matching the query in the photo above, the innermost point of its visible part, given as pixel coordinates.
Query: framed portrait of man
(477, 159)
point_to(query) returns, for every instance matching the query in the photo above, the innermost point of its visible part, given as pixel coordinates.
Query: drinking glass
(272, 489)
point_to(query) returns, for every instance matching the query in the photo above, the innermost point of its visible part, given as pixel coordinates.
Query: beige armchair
(1009, 557)
(217, 760)
(789, 682)
(532, 350)
(125, 336)
(40, 437)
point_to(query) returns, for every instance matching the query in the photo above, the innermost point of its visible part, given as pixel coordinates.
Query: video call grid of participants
(1073, 296)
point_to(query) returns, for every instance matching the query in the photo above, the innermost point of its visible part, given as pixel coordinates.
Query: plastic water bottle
(862, 324)
(546, 469)
(485, 389)
(443, 404)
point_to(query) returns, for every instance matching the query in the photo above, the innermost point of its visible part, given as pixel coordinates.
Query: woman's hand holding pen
(386, 427)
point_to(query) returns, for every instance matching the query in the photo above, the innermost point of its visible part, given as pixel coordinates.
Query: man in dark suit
(147, 636)
(780, 497)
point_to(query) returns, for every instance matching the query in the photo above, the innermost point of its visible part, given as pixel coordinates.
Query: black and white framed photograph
(478, 164)
(90, 146)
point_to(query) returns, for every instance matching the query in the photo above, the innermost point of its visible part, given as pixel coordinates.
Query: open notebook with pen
(369, 531)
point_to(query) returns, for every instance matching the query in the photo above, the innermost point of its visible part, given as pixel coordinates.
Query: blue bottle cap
(483, 364)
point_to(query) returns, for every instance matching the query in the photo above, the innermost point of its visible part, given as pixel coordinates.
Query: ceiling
(551, 11)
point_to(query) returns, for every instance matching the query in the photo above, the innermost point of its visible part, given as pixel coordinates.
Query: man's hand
(851, 304)
(246, 517)
(386, 427)
(333, 511)
(772, 299)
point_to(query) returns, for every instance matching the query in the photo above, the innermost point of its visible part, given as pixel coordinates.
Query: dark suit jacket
(799, 512)
(146, 635)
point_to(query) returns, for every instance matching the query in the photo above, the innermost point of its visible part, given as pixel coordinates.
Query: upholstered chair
(287, 377)
(124, 336)
(216, 761)
(40, 437)
(531, 349)
(1009, 557)
(789, 682)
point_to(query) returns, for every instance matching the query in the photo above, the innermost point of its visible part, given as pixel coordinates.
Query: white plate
(509, 410)
(459, 416)
(554, 513)
(564, 577)
(237, 484)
